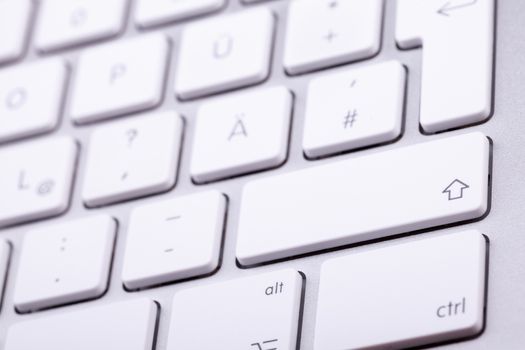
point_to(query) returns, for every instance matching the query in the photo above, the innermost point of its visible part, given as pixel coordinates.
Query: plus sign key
(325, 33)
(354, 109)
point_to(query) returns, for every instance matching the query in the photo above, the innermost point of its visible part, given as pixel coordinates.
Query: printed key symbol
(265, 345)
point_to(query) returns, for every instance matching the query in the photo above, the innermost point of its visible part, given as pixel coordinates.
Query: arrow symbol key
(455, 189)
(446, 9)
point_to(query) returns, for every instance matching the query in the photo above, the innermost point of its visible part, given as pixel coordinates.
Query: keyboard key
(354, 109)
(14, 28)
(132, 158)
(36, 179)
(323, 33)
(156, 12)
(225, 53)
(65, 23)
(458, 44)
(241, 134)
(64, 263)
(422, 292)
(402, 190)
(31, 98)
(174, 239)
(256, 312)
(5, 255)
(120, 78)
(129, 325)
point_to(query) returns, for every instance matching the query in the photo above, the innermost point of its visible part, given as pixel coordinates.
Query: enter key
(417, 293)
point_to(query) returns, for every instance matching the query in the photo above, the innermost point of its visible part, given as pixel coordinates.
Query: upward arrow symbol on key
(455, 189)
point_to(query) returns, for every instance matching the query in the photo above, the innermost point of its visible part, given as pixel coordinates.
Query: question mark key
(120, 168)
(131, 135)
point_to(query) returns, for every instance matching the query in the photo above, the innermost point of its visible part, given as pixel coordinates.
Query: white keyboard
(247, 174)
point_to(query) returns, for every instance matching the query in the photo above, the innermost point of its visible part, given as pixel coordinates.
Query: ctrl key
(411, 294)
(259, 312)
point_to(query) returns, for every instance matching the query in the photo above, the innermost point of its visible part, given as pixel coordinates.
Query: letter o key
(16, 99)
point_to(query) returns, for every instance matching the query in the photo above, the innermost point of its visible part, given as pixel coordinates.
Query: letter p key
(117, 72)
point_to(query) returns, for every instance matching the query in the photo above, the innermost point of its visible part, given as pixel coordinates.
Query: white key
(126, 325)
(359, 199)
(354, 109)
(458, 43)
(120, 78)
(323, 33)
(422, 292)
(174, 239)
(225, 53)
(241, 134)
(14, 28)
(31, 98)
(64, 263)
(65, 23)
(36, 179)
(257, 312)
(5, 255)
(132, 158)
(156, 12)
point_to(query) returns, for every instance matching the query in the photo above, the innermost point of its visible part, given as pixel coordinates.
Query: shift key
(358, 199)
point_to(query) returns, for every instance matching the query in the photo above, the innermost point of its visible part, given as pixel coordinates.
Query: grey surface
(505, 225)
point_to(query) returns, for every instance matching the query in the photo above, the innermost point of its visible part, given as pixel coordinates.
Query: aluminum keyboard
(239, 174)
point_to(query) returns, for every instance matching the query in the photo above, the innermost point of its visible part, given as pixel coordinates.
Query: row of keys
(235, 135)
(139, 157)
(62, 24)
(309, 210)
(239, 134)
(126, 77)
(166, 241)
(443, 279)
